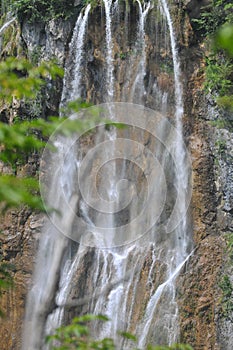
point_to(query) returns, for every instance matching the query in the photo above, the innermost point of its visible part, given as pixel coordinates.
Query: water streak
(6, 25)
(52, 247)
(109, 58)
(138, 91)
(144, 328)
(73, 92)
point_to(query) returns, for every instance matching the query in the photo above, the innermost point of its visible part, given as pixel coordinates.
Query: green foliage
(21, 140)
(229, 240)
(224, 38)
(6, 280)
(217, 13)
(20, 79)
(215, 23)
(42, 10)
(223, 41)
(93, 3)
(219, 75)
(226, 284)
(227, 297)
(4, 6)
(225, 102)
(19, 191)
(77, 336)
(221, 146)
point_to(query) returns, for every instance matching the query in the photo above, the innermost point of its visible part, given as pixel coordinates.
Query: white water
(51, 251)
(115, 273)
(76, 53)
(179, 254)
(6, 25)
(138, 89)
(182, 173)
(151, 306)
(109, 58)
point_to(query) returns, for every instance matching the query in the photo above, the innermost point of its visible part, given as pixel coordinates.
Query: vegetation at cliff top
(38, 10)
(216, 25)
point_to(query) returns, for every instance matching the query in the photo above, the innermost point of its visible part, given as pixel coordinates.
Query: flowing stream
(131, 280)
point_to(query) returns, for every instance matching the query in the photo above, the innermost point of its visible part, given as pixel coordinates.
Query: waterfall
(181, 228)
(124, 220)
(151, 307)
(109, 59)
(138, 89)
(182, 173)
(76, 52)
(52, 247)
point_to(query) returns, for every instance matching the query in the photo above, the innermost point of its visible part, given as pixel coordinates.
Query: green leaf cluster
(219, 71)
(227, 296)
(215, 24)
(77, 336)
(42, 10)
(19, 79)
(214, 15)
(224, 38)
(6, 280)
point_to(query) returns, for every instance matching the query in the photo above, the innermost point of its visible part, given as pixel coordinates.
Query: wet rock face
(19, 238)
(199, 295)
(46, 41)
(201, 301)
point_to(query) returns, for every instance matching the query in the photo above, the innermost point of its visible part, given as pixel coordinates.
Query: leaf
(224, 38)
(128, 336)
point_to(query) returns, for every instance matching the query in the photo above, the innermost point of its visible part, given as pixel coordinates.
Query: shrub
(42, 10)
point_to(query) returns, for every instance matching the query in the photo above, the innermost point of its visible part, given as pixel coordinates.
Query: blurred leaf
(15, 191)
(128, 336)
(224, 38)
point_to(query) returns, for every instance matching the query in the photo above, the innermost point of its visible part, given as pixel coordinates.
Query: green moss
(227, 297)
(225, 102)
(229, 242)
(221, 146)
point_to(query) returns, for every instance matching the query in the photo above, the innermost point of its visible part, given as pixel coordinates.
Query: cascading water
(76, 53)
(138, 89)
(109, 59)
(179, 256)
(131, 280)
